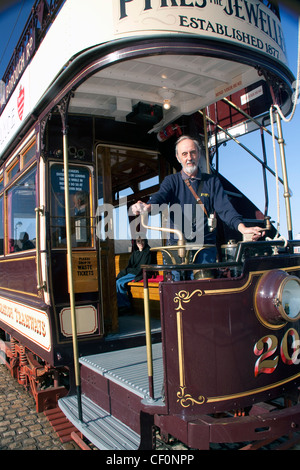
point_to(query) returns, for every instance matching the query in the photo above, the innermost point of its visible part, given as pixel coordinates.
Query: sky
(247, 175)
(235, 164)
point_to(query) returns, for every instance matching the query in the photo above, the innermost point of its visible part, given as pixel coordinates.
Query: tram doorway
(124, 176)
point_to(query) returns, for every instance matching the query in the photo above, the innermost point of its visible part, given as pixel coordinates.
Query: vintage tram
(93, 100)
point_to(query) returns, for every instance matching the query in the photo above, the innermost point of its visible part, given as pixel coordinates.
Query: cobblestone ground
(21, 427)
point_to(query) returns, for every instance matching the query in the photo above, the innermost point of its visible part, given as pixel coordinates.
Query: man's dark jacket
(174, 190)
(136, 259)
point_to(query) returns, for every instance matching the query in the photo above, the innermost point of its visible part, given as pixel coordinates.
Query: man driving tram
(189, 187)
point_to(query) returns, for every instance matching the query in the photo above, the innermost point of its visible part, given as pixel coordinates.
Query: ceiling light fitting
(166, 95)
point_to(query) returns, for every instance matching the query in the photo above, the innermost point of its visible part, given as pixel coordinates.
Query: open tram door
(104, 222)
(124, 174)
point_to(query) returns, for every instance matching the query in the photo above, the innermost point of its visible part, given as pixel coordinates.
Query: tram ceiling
(193, 83)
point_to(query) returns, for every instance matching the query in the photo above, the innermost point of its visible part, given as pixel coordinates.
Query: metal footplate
(98, 426)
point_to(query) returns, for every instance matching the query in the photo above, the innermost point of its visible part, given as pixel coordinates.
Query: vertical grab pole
(38, 212)
(70, 272)
(264, 171)
(63, 110)
(148, 335)
(286, 194)
(206, 140)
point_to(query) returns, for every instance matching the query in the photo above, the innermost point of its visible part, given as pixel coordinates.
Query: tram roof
(146, 55)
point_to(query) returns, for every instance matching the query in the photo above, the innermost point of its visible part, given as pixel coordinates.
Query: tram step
(128, 368)
(60, 424)
(98, 426)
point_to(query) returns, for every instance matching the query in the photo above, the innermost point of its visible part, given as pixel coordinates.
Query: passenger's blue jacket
(174, 191)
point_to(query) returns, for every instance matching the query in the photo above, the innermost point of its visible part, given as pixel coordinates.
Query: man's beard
(190, 169)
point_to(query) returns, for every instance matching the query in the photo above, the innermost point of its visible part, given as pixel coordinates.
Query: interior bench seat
(137, 288)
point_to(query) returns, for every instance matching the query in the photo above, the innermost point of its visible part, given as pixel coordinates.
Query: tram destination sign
(245, 22)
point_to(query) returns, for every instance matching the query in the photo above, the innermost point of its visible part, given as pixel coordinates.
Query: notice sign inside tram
(85, 272)
(78, 179)
(79, 206)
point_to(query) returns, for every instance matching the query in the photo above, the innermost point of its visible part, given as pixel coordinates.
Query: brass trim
(41, 284)
(184, 296)
(17, 259)
(19, 292)
(180, 350)
(148, 332)
(252, 274)
(252, 392)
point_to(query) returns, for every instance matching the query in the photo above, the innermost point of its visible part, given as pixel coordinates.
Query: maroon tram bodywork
(220, 356)
(217, 367)
(228, 375)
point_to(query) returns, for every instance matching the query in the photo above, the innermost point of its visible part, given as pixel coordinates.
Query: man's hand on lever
(256, 232)
(140, 207)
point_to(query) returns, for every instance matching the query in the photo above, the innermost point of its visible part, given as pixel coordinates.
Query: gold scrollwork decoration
(185, 296)
(187, 400)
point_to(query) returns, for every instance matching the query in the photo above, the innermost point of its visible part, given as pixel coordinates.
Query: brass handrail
(181, 240)
(181, 250)
(40, 284)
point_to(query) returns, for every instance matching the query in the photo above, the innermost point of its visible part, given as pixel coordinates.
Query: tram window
(80, 206)
(21, 204)
(13, 170)
(149, 183)
(1, 227)
(28, 154)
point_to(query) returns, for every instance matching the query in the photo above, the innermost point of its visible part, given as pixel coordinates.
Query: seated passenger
(24, 243)
(141, 255)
